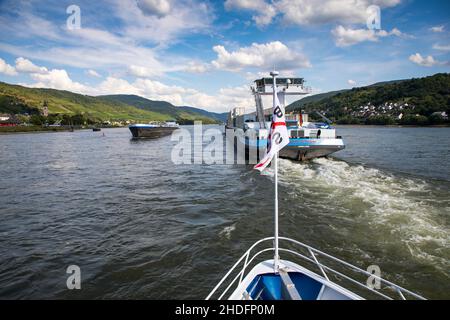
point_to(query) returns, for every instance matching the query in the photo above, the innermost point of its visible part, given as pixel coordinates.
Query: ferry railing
(314, 254)
(307, 89)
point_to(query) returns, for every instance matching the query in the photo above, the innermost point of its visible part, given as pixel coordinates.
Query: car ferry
(307, 140)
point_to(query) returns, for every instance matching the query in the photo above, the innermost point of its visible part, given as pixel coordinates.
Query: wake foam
(226, 232)
(411, 211)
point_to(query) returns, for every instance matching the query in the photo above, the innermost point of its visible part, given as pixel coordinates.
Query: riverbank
(389, 126)
(37, 129)
(31, 129)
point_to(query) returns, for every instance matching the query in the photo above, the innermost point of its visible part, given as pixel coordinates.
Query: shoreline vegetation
(412, 102)
(40, 106)
(36, 129)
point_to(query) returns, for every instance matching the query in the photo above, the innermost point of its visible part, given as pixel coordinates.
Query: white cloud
(442, 47)
(345, 37)
(55, 78)
(437, 29)
(154, 7)
(224, 100)
(6, 68)
(186, 17)
(24, 24)
(306, 12)
(236, 97)
(142, 72)
(423, 61)
(58, 79)
(266, 56)
(86, 56)
(196, 67)
(93, 73)
(395, 32)
(156, 21)
(265, 11)
(26, 66)
(117, 48)
(112, 85)
(351, 82)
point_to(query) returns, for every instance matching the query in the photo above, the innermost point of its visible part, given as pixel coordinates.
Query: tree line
(426, 96)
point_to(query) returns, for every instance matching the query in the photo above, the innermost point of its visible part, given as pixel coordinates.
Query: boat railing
(314, 256)
(307, 89)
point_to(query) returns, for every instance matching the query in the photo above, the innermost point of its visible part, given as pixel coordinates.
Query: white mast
(275, 162)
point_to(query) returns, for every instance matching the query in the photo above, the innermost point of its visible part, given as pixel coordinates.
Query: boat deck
(325, 283)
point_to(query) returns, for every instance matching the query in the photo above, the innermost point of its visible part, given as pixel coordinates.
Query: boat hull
(307, 150)
(156, 132)
(299, 149)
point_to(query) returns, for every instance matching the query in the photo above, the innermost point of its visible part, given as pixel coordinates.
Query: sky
(207, 53)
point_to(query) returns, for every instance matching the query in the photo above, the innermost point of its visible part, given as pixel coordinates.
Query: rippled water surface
(141, 227)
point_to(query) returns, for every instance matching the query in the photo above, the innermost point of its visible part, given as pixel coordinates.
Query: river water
(142, 227)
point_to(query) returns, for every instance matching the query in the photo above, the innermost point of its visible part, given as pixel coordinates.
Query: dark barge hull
(151, 132)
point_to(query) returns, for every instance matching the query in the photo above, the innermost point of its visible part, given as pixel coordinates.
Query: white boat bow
(301, 283)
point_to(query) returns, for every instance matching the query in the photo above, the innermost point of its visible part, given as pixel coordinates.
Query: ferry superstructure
(308, 140)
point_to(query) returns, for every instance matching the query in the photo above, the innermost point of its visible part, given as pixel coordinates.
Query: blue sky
(206, 54)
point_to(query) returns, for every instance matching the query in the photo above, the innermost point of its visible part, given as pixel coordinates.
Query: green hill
(298, 105)
(414, 101)
(163, 107)
(221, 117)
(15, 99)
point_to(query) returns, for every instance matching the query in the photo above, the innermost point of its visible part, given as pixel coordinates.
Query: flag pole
(276, 256)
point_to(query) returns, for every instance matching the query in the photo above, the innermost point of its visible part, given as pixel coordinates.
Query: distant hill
(387, 82)
(413, 101)
(298, 105)
(164, 107)
(221, 117)
(18, 99)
